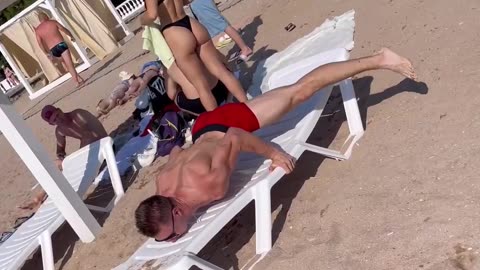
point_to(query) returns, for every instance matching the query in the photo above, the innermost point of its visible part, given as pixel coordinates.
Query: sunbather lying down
(199, 175)
(130, 87)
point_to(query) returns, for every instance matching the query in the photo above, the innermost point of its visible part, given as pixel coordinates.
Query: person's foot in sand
(80, 81)
(394, 62)
(35, 203)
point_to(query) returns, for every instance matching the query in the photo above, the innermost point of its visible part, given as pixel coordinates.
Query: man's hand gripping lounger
(199, 175)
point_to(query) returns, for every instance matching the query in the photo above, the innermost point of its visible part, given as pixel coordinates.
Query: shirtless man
(199, 175)
(53, 45)
(195, 55)
(79, 124)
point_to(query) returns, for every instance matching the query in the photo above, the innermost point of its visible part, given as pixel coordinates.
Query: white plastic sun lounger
(252, 179)
(80, 170)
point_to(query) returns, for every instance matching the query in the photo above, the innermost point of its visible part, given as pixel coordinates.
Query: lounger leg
(263, 217)
(352, 112)
(323, 151)
(47, 251)
(99, 208)
(114, 175)
(355, 125)
(190, 260)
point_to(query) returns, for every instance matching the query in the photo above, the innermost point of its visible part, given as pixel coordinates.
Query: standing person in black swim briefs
(53, 45)
(194, 52)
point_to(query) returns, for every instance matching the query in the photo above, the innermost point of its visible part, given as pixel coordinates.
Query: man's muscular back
(204, 180)
(83, 126)
(50, 33)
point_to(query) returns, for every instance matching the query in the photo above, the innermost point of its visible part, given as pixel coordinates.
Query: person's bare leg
(245, 50)
(209, 56)
(187, 87)
(67, 58)
(274, 104)
(183, 45)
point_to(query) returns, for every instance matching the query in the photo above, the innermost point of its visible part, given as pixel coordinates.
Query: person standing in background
(54, 46)
(207, 13)
(10, 76)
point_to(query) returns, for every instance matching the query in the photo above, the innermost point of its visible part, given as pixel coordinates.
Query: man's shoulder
(59, 131)
(80, 112)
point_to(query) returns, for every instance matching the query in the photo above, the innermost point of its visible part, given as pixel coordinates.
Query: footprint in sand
(465, 258)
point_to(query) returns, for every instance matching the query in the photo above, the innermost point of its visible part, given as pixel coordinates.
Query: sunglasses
(47, 115)
(173, 234)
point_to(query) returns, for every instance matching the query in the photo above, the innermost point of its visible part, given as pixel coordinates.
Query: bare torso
(83, 126)
(171, 11)
(199, 183)
(49, 33)
(8, 72)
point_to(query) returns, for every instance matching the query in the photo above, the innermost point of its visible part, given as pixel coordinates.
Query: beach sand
(408, 197)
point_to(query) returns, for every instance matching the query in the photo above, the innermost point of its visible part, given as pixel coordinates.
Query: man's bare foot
(80, 81)
(35, 203)
(394, 62)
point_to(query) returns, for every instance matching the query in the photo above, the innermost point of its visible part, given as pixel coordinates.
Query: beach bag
(170, 131)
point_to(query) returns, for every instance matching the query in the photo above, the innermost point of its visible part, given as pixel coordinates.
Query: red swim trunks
(236, 115)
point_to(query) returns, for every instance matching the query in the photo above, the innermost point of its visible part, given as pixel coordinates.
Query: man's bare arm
(247, 142)
(61, 143)
(251, 143)
(151, 12)
(65, 30)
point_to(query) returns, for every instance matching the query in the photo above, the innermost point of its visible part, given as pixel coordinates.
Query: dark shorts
(195, 106)
(58, 49)
(236, 115)
(183, 22)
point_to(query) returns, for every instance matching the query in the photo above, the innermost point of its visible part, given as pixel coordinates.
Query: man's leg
(67, 58)
(211, 58)
(274, 104)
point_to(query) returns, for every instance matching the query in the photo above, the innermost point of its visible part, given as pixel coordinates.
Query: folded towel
(154, 41)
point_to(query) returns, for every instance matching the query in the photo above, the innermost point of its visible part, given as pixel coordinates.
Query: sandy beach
(408, 197)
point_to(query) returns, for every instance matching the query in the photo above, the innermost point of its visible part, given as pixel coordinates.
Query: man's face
(173, 230)
(52, 116)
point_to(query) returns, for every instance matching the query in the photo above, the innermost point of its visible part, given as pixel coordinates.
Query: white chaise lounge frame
(291, 133)
(80, 170)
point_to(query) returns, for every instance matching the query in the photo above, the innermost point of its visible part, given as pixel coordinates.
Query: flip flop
(19, 221)
(240, 57)
(290, 27)
(223, 43)
(245, 57)
(234, 56)
(4, 237)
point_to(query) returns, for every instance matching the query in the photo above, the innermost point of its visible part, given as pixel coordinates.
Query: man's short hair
(151, 213)
(43, 16)
(47, 111)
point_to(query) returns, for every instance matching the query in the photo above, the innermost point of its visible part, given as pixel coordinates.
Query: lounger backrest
(81, 167)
